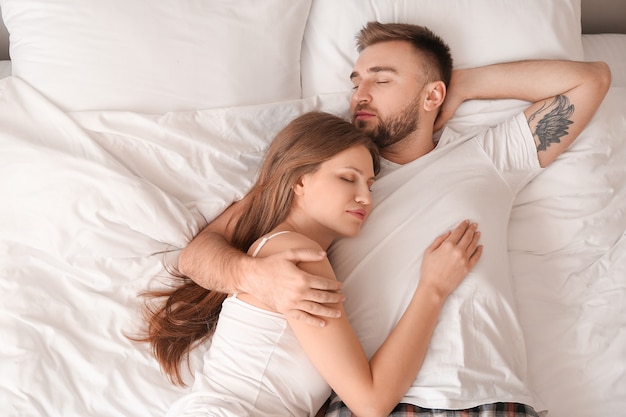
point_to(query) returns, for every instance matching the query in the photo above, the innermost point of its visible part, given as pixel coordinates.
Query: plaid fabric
(339, 409)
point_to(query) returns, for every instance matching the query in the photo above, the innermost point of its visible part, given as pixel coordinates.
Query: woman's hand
(449, 259)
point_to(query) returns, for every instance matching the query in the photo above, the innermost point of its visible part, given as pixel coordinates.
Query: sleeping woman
(313, 188)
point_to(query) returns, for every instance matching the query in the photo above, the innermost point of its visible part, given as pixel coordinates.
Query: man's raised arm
(211, 261)
(564, 96)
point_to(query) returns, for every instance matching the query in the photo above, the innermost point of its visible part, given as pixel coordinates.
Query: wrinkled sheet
(95, 202)
(92, 205)
(567, 246)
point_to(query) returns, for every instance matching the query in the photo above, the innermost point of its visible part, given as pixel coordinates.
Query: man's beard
(396, 128)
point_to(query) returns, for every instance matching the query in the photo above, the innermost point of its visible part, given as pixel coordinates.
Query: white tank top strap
(264, 241)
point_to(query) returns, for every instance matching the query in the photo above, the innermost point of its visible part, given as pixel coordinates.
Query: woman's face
(337, 196)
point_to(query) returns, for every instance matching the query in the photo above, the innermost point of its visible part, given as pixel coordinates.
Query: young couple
(437, 337)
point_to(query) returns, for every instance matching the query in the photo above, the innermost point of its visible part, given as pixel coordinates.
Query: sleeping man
(405, 90)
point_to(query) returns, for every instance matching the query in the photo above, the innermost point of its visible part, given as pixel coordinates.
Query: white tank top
(254, 366)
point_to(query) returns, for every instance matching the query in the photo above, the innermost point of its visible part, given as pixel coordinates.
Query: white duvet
(93, 202)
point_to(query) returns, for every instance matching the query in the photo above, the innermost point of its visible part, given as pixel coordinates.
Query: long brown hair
(184, 315)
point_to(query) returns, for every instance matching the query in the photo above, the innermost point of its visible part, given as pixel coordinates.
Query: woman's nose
(364, 197)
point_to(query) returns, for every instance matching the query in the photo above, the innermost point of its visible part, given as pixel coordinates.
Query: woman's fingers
(438, 241)
(475, 256)
(459, 232)
(466, 236)
(474, 238)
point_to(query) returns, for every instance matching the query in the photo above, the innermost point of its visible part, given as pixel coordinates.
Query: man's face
(387, 85)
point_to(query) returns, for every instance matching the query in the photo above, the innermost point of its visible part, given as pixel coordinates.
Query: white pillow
(479, 32)
(611, 48)
(155, 56)
(5, 68)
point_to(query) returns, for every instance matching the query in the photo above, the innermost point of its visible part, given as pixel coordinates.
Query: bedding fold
(95, 202)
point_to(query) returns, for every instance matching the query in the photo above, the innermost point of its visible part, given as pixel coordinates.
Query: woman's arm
(375, 387)
(213, 263)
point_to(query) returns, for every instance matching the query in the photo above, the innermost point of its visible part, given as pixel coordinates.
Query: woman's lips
(359, 213)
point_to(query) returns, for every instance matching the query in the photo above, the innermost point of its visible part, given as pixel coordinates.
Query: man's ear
(435, 94)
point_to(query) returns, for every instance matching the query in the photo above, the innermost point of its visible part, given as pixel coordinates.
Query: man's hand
(281, 285)
(213, 263)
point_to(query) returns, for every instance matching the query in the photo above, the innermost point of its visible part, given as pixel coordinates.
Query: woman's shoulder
(281, 240)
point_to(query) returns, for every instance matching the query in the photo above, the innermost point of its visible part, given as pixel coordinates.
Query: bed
(126, 125)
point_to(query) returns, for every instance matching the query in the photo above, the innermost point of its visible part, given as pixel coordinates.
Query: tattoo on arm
(554, 123)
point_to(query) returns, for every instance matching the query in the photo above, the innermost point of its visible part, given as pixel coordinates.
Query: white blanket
(567, 244)
(91, 202)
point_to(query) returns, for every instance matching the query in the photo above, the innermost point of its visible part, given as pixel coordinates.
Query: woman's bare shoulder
(276, 241)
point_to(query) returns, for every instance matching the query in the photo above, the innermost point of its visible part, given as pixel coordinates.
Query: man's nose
(361, 94)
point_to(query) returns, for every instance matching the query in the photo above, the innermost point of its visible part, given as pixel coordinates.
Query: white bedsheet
(568, 250)
(92, 200)
(90, 203)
